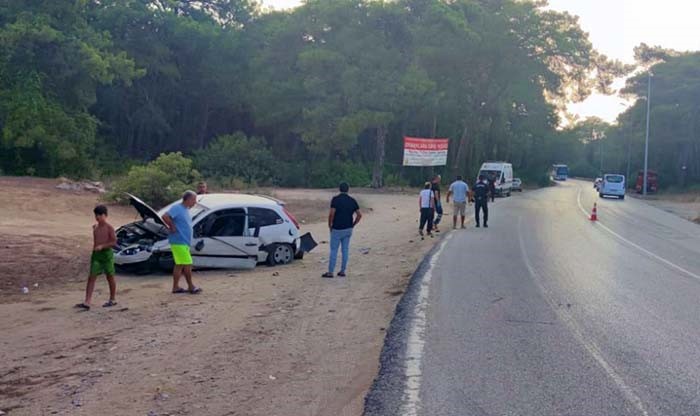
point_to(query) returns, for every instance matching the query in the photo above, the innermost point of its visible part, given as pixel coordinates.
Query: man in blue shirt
(179, 223)
(459, 190)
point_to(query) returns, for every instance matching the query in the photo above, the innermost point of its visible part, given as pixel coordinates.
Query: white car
(229, 231)
(517, 185)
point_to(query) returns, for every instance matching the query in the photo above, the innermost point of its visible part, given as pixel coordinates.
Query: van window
(614, 178)
(491, 175)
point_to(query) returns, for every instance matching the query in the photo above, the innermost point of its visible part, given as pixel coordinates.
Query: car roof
(213, 201)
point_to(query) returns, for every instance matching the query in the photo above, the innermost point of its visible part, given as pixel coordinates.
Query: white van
(612, 185)
(502, 175)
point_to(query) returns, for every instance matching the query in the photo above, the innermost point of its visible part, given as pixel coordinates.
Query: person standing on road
(481, 200)
(179, 223)
(492, 187)
(426, 202)
(435, 187)
(459, 191)
(344, 216)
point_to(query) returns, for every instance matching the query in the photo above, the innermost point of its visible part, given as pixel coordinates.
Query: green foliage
(237, 156)
(325, 91)
(331, 174)
(159, 182)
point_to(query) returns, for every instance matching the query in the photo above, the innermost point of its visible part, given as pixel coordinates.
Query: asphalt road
(547, 313)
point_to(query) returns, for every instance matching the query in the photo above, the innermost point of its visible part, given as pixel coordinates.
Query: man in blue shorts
(179, 223)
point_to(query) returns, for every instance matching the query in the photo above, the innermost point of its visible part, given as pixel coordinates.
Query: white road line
(638, 247)
(416, 340)
(575, 329)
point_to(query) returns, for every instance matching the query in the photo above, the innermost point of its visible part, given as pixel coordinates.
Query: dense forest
(323, 92)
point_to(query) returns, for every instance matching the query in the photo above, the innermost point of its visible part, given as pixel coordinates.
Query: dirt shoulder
(274, 341)
(685, 205)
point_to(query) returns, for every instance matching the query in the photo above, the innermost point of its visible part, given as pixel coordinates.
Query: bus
(560, 172)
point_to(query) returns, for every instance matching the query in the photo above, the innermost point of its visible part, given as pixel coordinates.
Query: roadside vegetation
(321, 93)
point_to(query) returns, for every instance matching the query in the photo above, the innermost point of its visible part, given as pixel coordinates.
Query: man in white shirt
(459, 191)
(426, 202)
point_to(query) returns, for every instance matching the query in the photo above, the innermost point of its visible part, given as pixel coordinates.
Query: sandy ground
(274, 341)
(683, 205)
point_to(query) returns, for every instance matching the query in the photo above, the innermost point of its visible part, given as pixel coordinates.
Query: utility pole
(646, 142)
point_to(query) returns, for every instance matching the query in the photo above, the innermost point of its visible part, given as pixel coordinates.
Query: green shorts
(181, 254)
(102, 262)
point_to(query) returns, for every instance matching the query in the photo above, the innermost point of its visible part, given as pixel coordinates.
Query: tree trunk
(380, 153)
(461, 152)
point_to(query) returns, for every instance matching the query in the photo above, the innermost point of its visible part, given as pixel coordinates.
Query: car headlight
(132, 250)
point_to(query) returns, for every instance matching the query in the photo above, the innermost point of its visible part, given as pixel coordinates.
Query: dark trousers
(481, 205)
(426, 217)
(439, 212)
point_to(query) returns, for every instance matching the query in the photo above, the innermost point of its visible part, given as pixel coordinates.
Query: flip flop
(180, 290)
(82, 306)
(196, 291)
(110, 304)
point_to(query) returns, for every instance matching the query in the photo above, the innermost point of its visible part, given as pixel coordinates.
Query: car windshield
(614, 178)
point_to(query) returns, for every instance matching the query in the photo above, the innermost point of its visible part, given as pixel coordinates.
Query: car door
(272, 226)
(222, 241)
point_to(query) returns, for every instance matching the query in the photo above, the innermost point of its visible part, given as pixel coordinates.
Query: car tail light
(291, 217)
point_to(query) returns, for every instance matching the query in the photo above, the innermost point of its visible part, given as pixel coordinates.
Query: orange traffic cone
(594, 214)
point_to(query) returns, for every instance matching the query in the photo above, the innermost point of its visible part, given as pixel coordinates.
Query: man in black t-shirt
(435, 187)
(481, 200)
(343, 217)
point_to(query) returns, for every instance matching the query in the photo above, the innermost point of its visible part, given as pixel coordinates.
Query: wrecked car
(235, 231)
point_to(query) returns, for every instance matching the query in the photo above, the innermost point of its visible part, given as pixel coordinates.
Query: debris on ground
(364, 250)
(90, 186)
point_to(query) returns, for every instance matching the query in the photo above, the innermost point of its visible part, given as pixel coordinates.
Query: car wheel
(279, 254)
(622, 197)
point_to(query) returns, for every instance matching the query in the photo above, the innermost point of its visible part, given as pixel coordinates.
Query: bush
(159, 182)
(330, 174)
(237, 156)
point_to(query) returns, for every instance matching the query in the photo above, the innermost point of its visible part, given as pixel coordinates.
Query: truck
(652, 182)
(501, 174)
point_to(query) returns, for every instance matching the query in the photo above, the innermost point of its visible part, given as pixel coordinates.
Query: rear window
(614, 178)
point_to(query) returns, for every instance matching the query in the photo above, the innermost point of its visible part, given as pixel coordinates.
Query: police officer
(481, 200)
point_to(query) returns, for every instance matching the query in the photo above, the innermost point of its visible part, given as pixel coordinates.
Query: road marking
(416, 340)
(638, 247)
(575, 329)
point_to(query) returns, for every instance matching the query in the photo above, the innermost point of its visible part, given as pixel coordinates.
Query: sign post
(425, 152)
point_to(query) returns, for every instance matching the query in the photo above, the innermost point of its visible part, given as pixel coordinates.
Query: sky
(615, 28)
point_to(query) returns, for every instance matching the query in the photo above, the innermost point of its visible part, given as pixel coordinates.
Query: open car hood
(144, 210)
